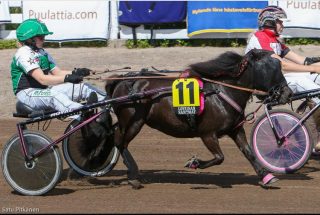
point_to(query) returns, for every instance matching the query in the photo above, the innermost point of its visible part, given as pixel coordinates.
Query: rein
(140, 77)
(253, 91)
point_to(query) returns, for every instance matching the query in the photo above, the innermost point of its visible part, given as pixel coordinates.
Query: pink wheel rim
(291, 155)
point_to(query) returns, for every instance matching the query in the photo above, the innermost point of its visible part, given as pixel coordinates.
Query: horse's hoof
(268, 180)
(136, 184)
(193, 163)
(315, 153)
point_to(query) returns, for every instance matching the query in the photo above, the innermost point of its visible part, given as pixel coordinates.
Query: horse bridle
(243, 65)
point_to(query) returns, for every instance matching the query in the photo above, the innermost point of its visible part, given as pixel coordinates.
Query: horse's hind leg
(212, 143)
(133, 170)
(240, 139)
(122, 140)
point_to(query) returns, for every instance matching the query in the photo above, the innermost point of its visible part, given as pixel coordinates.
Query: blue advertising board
(151, 12)
(223, 16)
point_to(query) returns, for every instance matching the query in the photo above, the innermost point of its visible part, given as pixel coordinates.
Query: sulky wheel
(37, 176)
(295, 150)
(88, 154)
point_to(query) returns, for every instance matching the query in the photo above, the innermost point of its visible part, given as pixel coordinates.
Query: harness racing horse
(257, 70)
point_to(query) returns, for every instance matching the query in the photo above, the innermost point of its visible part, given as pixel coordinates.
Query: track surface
(231, 187)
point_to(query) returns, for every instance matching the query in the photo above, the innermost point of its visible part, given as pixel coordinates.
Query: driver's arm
(46, 80)
(60, 72)
(294, 67)
(294, 57)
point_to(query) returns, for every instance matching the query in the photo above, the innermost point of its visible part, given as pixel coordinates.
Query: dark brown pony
(256, 70)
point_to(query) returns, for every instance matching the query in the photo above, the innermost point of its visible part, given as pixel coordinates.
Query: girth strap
(230, 101)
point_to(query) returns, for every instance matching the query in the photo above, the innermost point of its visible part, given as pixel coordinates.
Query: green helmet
(30, 28)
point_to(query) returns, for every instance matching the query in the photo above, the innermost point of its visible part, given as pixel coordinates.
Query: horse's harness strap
(225, 97)
(142, 77)
(230, 101)
(253, 91)
(184, 75)
(159, 94)
(135, 96)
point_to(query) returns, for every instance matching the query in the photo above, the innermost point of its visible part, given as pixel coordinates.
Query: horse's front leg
(133, 170)
(122, 139)
(212, 143)
(240, 139)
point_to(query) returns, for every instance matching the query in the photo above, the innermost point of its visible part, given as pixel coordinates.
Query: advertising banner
(71, 20)
(301, 14)
(151, 12)
(223, 16)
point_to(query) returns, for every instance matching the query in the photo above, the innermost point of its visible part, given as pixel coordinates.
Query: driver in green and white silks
(37, 81)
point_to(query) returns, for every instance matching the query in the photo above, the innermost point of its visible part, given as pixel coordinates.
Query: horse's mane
(226, 64)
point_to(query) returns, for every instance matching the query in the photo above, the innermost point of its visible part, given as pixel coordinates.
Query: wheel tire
(76, 154)
(289, 157)
(44, 172)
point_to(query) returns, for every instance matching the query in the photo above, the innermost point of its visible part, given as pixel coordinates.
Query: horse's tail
(111, 84)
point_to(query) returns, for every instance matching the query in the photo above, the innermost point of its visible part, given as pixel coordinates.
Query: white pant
(303, 81)
(62, 97)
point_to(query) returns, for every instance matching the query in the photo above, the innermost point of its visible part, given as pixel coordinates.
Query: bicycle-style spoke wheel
(88, 154)
(38, 176)
(295, 150)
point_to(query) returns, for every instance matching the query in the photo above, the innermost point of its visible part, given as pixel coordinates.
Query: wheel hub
(30, 164)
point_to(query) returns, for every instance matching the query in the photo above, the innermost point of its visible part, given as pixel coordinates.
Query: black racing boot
(92, 98)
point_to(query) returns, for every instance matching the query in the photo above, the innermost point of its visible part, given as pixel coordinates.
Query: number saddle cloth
(188, 98)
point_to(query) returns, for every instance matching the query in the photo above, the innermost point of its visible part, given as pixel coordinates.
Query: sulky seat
(25, 111)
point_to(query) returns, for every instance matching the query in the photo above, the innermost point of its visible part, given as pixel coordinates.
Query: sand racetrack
(231, 187)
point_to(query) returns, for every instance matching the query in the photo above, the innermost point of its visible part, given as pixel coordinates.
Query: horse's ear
(254, 54)
(258, 54)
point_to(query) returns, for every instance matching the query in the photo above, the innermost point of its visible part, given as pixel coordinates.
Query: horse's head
(266, 74)
(257, 69)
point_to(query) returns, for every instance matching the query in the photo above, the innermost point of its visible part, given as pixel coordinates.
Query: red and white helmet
(269, 15)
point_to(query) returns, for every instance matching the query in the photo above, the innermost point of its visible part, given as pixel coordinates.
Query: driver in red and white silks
(301, 73)
(298, 67)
